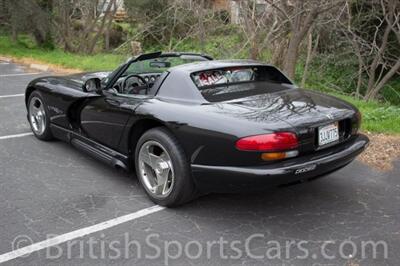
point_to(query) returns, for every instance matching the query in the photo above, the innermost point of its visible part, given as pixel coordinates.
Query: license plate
(328, 134)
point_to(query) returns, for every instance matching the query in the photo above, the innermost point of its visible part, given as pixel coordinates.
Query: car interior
(140, 76)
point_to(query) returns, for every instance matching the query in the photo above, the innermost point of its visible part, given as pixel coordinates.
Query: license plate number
(328, 134)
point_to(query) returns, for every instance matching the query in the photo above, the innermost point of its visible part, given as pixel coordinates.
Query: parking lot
(50, 191)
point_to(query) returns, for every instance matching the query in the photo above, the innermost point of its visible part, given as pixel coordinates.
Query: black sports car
(189, 124)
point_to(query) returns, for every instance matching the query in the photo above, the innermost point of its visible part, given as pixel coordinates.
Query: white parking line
(11, 96)
(16, 136)
(20, 74)
(78, 233)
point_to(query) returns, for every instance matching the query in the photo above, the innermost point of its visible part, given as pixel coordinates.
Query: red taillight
(270, 142)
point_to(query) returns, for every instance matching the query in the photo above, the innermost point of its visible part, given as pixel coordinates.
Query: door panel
(103, 119)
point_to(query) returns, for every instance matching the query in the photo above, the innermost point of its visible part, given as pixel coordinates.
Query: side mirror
(92, 85)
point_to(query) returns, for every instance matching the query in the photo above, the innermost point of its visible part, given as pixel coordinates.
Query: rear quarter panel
(207, 134)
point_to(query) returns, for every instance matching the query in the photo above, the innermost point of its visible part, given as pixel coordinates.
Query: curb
(39, 66)
(43, 68)
(5, 59)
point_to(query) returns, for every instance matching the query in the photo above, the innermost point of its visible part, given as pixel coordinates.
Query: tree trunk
(90, 23)
(109, 14)
(107, 39)
(278, 54)
(14, 32)
(107, 33)
(300, 25)
(308, 59)
(39, 37)
(289, 66)
(254, 51)
(360, 72)
(12, 8)
(201, 27)
(374, 65)
(65, 9)
(374, 92)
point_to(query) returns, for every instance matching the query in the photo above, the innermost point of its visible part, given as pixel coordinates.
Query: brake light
(279, 141)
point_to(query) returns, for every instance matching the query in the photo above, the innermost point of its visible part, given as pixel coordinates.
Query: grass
(25, 48)
(377, 117)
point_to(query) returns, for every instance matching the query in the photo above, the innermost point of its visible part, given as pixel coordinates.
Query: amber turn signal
(271, 156)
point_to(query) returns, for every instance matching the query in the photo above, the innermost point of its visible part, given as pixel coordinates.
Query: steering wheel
(135, 89)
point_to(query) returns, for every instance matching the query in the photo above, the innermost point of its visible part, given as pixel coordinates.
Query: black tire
(46, 134)
(183, 189)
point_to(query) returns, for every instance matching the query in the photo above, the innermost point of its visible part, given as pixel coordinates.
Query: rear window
(237, 75)
(233, 83)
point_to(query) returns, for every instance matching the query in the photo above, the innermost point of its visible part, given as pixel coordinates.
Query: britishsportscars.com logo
(255, 246)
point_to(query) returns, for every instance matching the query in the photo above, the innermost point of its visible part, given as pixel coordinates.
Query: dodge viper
(188, 124)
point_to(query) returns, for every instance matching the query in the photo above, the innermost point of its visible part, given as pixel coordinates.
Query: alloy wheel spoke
(158, 189)
(42, 120)
(165, 187)
(146, 157)
(34, 111)
(37, 116)
(162, 181)
(156, 169)
(154, 160)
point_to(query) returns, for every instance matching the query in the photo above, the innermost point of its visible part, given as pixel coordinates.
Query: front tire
(38, 117)
(163, 169)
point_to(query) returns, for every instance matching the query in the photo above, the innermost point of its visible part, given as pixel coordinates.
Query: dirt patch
(56, 69)
(382, 151)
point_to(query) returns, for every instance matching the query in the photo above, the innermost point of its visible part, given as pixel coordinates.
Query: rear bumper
(230, 178)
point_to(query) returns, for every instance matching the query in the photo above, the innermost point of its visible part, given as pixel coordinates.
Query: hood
(74, 81)
(82, 77)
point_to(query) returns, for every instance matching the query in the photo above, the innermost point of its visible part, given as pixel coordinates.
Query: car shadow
(322, 198)
(333, 193)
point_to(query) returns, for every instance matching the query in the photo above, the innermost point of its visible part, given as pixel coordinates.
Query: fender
(64, 96)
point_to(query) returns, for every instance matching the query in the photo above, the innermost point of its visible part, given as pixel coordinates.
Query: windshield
(161, 64)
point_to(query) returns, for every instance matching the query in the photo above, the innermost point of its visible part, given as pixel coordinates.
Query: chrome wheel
(155, 169)
(37, 115)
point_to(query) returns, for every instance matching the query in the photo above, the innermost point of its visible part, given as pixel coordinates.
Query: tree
(375, 37)
(110, 11)
(32, 15)
(169, 23)
(79, 24)
(299, 16)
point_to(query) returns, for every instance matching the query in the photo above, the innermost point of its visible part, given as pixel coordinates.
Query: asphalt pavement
(59, 206)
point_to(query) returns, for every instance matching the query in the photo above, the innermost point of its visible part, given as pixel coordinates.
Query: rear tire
(38, 116)
(163, 169)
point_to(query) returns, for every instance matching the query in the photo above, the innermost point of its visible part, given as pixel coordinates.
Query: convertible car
(188, 124)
